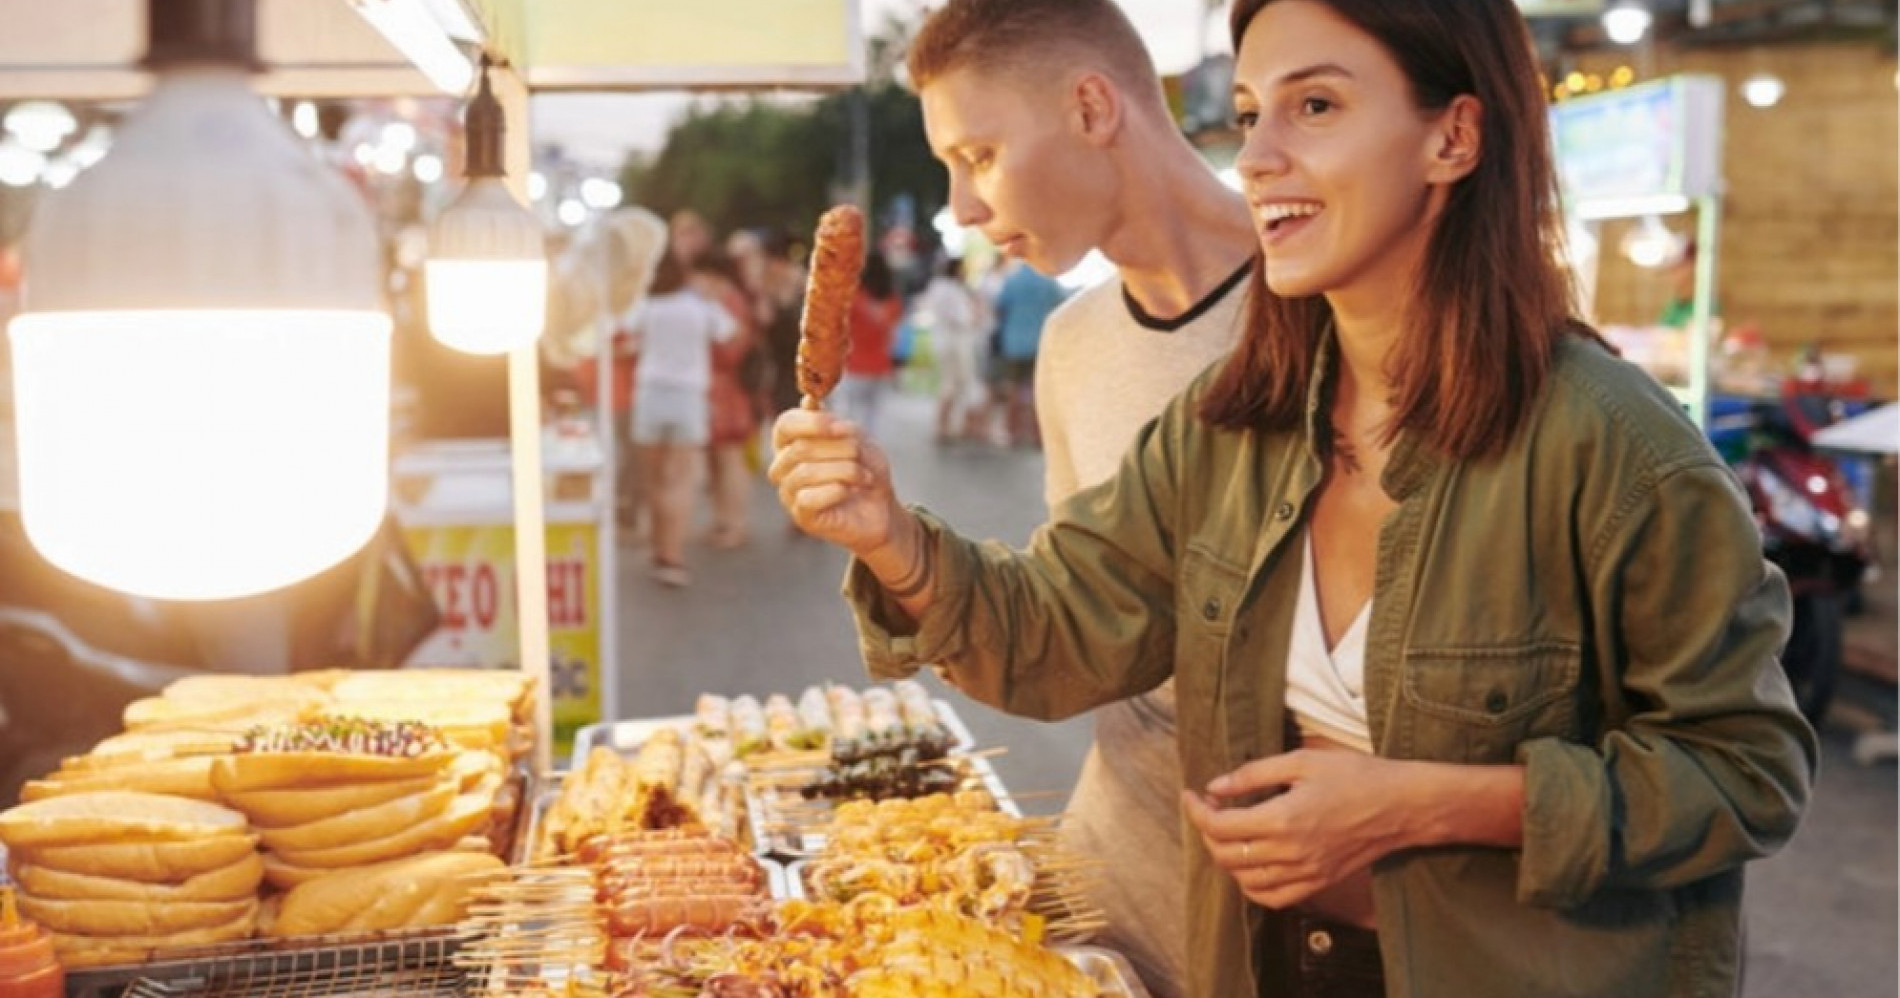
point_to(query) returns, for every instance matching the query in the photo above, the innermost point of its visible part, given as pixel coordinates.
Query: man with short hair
(1058, 139)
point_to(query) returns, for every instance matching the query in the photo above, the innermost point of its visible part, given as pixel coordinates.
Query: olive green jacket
(1592, 604)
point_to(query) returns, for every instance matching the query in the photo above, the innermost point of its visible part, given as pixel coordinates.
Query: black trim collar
(1212, 298)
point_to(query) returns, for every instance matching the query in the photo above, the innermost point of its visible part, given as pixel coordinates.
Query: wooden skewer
(994, 751)
(538, 954)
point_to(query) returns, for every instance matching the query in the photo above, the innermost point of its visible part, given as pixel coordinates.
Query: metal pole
(524, 437)
(1701, 324)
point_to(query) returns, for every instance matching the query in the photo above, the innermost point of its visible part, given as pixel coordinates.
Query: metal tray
(807, 841)
(1058, 938)
(551, 792)
(414, 961)
(627, 736)
(1107, 968)
(778, 879)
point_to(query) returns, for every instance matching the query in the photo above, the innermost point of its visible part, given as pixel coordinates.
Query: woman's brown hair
(1491, 303)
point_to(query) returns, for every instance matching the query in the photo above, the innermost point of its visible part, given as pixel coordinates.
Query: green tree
(777, 163)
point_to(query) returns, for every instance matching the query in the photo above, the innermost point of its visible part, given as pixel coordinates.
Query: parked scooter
(1814, 527)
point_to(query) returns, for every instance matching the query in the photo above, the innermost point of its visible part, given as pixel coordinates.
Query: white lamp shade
(201, 367)
(487, 306)
(487, 274)
(201, 455)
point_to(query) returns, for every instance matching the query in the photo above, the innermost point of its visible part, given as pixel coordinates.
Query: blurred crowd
(703, 354)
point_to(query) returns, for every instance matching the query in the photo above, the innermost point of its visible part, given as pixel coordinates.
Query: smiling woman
(1471, 635)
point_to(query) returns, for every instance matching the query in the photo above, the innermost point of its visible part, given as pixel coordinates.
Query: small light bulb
(304, 119)
(428, 168)
(1763, 90)
(1626, 23)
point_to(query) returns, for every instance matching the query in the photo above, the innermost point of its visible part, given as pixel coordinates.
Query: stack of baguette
(118, 875)
(367, 817)
(328, 796)
(170, 739)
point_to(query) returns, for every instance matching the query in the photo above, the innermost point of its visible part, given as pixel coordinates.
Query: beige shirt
(1105, 370)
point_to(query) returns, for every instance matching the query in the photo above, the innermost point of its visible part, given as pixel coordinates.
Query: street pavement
(767, 618)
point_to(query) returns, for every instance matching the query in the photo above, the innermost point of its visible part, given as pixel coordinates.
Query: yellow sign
(638, 44)
(470, 570)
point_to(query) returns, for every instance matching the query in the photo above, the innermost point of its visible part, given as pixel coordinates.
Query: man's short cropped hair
(1012, 37)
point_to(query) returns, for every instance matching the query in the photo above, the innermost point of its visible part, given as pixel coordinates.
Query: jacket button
(1210, 610)
(1284, 511)
(1319, 942)
(1496, 701)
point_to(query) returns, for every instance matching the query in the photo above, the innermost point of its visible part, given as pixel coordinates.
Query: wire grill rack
(419, 964)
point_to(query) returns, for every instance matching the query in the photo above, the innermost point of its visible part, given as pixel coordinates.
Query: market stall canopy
(89, 49)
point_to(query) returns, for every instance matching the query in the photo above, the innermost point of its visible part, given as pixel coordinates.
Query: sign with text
(470, 570)
(1653, 140)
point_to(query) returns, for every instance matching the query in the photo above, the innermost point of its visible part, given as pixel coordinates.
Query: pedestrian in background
(876, 310)
(1023, 305)
(674, 330)
(957, 325)
(734, 409)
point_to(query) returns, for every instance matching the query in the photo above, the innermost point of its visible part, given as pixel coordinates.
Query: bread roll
(78, 950)
(184, 777)
(160, 714)
(504, 686)
(215, 691)
(235, 882)
(132, 747)
(300, 806)
(476, 768)
(134, 918)
(114, 816)
(285, 876)
(429, 889)
(146, 862)
(363, 824)
(468, 724)
(286, 770)
(464, 814)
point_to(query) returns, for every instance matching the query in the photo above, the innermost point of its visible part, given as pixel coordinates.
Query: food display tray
(411, 961)
(627, 736)
(1109, 970)
(779, 836)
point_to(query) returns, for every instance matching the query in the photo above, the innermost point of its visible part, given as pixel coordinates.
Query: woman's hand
(835, 484)
(1334, 814)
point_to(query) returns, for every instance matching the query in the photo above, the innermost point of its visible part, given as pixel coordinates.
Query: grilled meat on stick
(824, 328)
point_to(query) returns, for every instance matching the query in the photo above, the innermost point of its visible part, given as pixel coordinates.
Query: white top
(1326, 691)
(675, 334)
(950, 310)
(1102, 372)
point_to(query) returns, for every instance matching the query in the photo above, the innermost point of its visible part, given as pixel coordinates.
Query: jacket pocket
(1208, 594)
(1476, 705)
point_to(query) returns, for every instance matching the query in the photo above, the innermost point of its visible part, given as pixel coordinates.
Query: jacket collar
(1412, 462)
